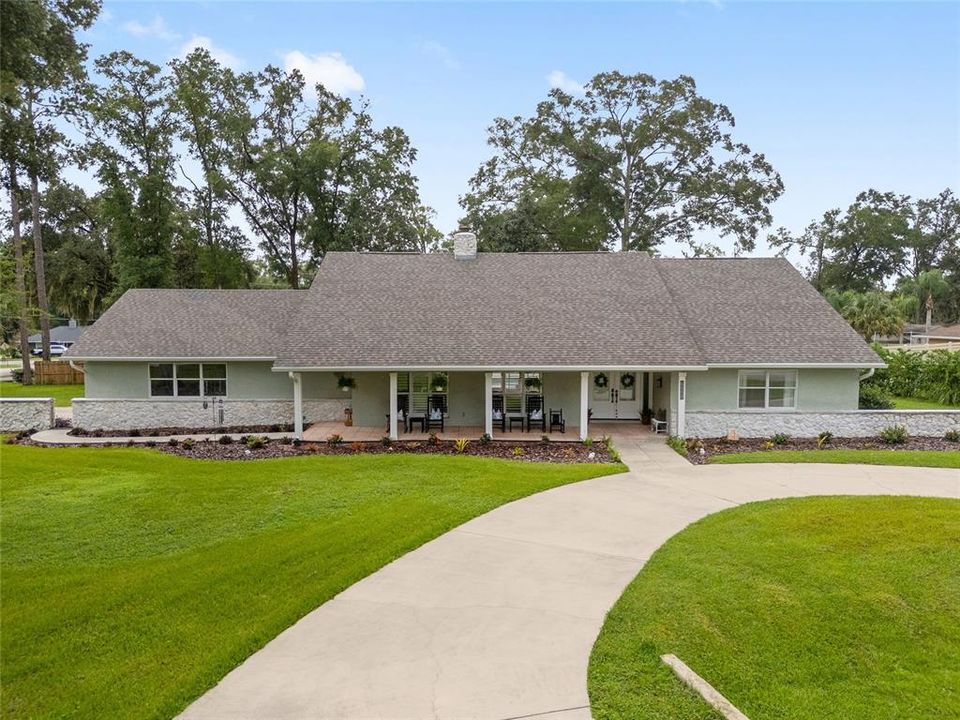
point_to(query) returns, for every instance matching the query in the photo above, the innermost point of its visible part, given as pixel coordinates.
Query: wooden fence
(55, 372)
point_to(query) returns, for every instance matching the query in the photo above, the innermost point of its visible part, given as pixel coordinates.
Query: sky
(840, 97)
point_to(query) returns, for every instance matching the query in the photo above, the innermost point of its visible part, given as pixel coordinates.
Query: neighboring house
(940, 335)
(712, 344)
(65, 335)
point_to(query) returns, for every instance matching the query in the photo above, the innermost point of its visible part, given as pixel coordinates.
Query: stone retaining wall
(850, 423)
(17, 414)
(94, 414)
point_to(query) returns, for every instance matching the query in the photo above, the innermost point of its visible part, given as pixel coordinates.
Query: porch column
(584, 404)
(488, 403)
(393, 406)
(297, 405)
(681, 404)
(650, 393)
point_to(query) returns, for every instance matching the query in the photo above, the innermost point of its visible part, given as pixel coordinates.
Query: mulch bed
(161, 431)
(722, 446)
(528, 451)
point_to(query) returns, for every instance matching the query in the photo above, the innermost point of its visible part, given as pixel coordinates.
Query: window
(513, 387)
(188, 380)
(764, 389)
(414, 390)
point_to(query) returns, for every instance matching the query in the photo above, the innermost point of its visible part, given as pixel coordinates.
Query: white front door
(615, 396)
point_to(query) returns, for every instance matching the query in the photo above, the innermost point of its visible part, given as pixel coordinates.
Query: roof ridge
(682, 314)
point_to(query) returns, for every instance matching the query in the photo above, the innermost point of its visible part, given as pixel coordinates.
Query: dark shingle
(192, 323)
(759, 310)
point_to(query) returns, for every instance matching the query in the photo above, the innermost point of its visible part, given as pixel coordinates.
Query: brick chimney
(464, 244)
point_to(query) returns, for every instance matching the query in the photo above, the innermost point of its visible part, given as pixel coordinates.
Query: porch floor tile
(321, 431)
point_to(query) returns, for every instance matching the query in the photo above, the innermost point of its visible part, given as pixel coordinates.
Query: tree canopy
(630, 164)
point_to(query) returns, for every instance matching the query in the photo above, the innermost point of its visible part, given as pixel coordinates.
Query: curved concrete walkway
(496, 619)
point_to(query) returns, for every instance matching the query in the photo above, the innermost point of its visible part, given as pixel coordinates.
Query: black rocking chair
(535, 416)
(436, 408)
(499, 415)
(557, 421)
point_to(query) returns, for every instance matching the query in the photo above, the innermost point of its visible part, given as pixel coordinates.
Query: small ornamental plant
(460, 444)
(335, 439)
(780, 438)
(386, 441)
(356, 446)
(225, 440)
(255, 442)
(824, 438)
(433, 439)
(485, 439)
(894, 435)
(952, 436)
(587, 442)
(517, 451)
(173, 442)
(544, 439)
(188, 443)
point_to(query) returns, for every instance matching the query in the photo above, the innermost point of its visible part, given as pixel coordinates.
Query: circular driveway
(496, 619)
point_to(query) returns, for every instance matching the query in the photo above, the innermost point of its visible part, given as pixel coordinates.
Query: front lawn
(908, 403)
(61, 394)
(808, 609)
(133, 580)
(917, 458)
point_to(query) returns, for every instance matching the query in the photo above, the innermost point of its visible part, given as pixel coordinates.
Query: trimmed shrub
(386, 441)
(485, 439)
(874, 397)
(255, 442)
(952, 436)
(894, 435)
(335, 439)
(189, 443)
(825, 437)
(780, 438)
(225, 440)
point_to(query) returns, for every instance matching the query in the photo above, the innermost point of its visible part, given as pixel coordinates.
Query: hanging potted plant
(532, 383)
(439, 382)
(345, 383)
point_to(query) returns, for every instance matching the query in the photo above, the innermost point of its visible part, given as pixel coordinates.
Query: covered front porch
(503, 404)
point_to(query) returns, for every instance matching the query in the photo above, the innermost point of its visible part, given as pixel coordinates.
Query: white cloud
(329, 69)
(157, 28)
(224, 57)
(440, 52)
(559, 79)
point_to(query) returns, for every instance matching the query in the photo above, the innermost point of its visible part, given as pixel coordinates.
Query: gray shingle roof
(61, 334)
(500, 309)
(528, 310)
(759, 310)
(192, 323)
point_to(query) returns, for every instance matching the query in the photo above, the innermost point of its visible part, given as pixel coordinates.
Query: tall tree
(630, 164)
(19, 273)
(40, 72)
(132, 132)
(219, 253)
(859, 249)
(315, 175)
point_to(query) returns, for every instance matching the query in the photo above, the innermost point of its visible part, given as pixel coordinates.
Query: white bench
(658, 426)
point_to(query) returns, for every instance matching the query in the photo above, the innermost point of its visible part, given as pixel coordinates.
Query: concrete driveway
(496, 619)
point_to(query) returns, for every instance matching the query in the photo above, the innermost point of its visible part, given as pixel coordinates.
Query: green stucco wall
(816, 389)
(371, 399)
(245, 381)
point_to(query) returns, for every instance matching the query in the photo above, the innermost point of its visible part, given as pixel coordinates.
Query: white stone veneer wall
(94, 414)
(18, 414)
(849, 423)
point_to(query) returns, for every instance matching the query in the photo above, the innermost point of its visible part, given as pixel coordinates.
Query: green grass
(906, 403)
(61, 394)
(807, 609)
(134, 580)
(916, 458)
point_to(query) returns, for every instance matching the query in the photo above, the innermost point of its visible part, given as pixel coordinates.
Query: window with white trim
(768, 389)
(415, 389)
(188, 379)
(515, 388)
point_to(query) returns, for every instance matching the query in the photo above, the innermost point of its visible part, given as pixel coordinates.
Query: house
(709, 344)
(65, 335)
(943, 335)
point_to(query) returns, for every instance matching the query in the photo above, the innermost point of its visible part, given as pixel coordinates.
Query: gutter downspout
(75, 367)
(868, 374)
